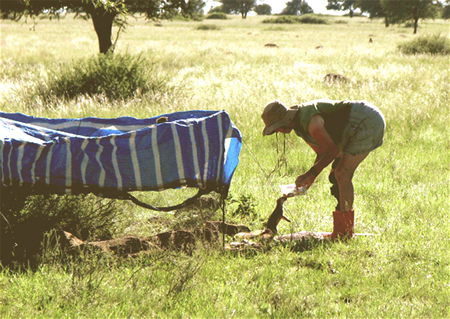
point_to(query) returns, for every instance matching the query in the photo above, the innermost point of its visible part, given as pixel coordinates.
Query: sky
(318, 6)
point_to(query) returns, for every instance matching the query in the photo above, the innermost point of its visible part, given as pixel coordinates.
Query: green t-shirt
(334, 113)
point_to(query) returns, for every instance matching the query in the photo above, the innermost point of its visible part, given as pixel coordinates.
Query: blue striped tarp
(72, 156)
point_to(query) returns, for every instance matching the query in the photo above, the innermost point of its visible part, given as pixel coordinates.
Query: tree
(242, 7)
(401, 11)
(446, 10)
(263, 9)
(374, 9)
(186, 8)
(218, 9)
(104, 13)
(342, 5)
(296, 7)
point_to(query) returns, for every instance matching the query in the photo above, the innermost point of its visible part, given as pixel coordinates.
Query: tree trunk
(416, 19)
(386, 22)
(103, 21)
(416, 23)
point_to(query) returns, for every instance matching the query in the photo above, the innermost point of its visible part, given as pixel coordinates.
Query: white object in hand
(291, 190)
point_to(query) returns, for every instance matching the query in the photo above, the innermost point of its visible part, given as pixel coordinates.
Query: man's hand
(305, 180)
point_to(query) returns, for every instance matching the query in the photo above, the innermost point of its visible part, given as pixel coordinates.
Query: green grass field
(401, 190)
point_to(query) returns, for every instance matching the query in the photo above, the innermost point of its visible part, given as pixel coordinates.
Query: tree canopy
(263, 9)
(446, 10)
(242, 7)
(342, 5)
(296, 7)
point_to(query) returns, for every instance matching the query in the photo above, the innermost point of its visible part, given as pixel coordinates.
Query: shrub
(85, 216)
(428, 44)
(280, 19)
(246, 207)
(116, 76)
(311, 19)
(208, 27)
(28, 219)
(217, 15)
(193, 17)
(307, 19)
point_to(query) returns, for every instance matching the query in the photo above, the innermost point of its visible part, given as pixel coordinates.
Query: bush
(243, 207)
(280, 19)
(307, 19)
(28, 219)
(208, 27)
(86, 216)
(427, 44)
(193, 17)
(311, 19)
(217, 15)
(116, 76)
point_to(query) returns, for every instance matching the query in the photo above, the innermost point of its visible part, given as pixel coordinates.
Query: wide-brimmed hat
(275, 115)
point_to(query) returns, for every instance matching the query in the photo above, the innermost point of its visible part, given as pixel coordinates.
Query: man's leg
(344, 175)
(344, 216)
(334, 184)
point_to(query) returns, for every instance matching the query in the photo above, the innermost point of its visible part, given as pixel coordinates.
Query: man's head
(275, 116)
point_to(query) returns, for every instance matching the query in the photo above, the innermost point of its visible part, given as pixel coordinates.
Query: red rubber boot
(343, 223)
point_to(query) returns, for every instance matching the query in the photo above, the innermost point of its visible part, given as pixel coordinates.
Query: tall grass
(401, 190)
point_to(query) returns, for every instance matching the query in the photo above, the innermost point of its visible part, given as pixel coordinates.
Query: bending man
(340, 132)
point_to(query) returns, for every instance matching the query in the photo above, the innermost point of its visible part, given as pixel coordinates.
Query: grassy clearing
(402, 189)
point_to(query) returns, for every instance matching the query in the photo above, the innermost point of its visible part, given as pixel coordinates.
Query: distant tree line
(106, 13)
(243, 7)
(394, 11)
